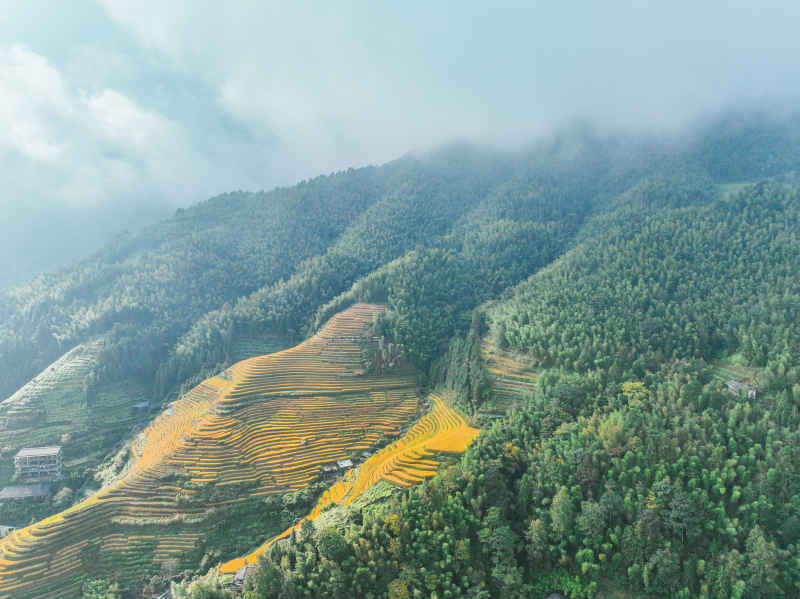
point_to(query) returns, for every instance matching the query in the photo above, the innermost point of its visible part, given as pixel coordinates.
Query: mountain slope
(630, 469)
(684, 284)
(648, 272)
(265, 426)
(409, 460)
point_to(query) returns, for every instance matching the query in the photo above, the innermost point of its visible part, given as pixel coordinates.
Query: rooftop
(738, 386)
(23, 491)
(241, 574)
(29, 452)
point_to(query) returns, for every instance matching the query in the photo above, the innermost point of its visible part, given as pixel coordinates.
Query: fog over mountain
(114, 113)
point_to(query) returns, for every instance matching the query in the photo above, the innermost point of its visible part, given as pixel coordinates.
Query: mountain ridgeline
(632, 278)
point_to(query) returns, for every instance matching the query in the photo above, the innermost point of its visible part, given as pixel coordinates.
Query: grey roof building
(241, 575)
(39, 463)
(6, 530)
(17, 492)
(740, 387)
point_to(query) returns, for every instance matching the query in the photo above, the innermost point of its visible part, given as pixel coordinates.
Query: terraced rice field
(271, 422)
(54, 409)
(52, 400)
(250, 347)
(726, 371)
(511, 374)
(407, 461)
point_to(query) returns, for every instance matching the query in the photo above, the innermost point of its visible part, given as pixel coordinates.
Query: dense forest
(631, 468)
(670, 491)
(171, 300)
(634, 275)
(692, 283)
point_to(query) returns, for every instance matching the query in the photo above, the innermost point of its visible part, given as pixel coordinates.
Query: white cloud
(157, 25)
(122, 121)
(90, 148)
(422, 73)
(187, 98)
(33, 94)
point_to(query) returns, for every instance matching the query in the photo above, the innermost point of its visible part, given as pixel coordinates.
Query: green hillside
(628, 469)
(585, 300)
(696, 283)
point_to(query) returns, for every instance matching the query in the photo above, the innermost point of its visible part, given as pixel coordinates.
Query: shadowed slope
(51, 403)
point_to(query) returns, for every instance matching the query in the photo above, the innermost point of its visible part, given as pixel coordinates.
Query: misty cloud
(90, 144)
(135, 108)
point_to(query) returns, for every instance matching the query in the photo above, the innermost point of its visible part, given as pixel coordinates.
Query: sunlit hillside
(409, 460)
(267, 425)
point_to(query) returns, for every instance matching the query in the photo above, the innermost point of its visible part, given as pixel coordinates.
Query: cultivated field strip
(50, 400)
(511, 375)
(408, 460)
(270, 422)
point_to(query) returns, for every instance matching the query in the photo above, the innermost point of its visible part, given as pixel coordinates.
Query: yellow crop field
(272, 422)
(407, 461)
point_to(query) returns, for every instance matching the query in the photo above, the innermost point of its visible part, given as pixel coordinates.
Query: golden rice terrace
(266, 425)
(409, 460)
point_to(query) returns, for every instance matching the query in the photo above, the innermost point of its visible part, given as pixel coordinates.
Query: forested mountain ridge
(308, 243)
(683, 284)
(172, 273)
(627, 271)
(633, 469)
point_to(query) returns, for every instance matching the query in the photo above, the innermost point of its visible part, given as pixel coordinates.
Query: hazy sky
(115, 112)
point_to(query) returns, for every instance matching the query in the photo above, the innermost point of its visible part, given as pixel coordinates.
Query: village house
(38, 463)
(23, 492)
(241, 576)
(338, 465)
(739, 387)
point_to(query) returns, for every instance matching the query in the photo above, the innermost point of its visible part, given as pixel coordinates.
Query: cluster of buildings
(34, 467)
(6, 530)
